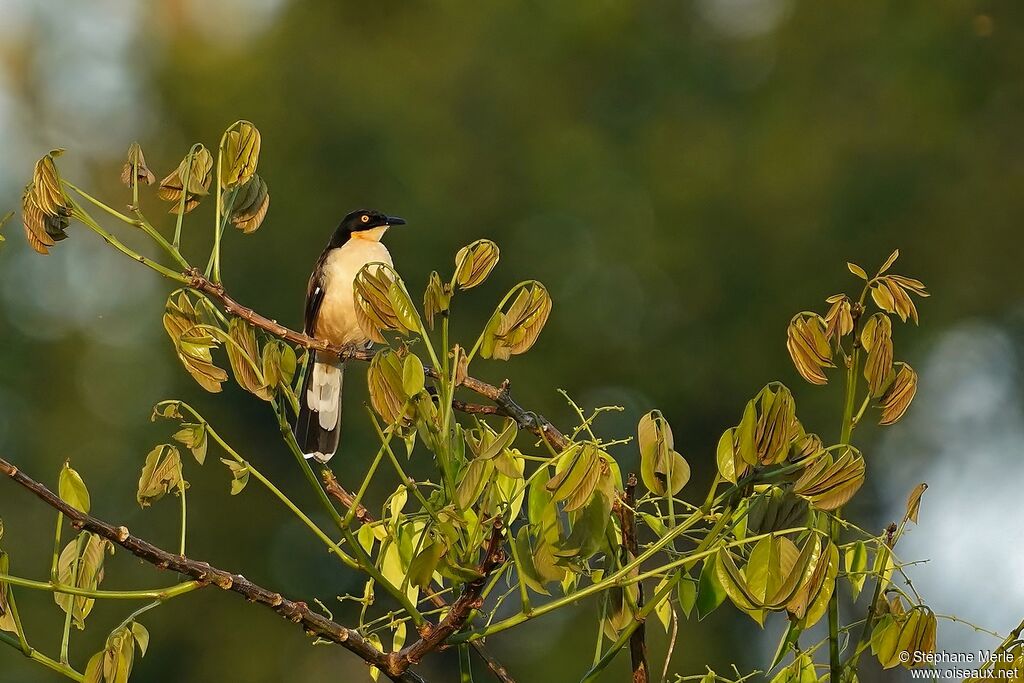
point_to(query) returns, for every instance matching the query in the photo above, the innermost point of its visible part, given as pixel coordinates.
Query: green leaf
(524, 562)
(94, 669)
(818, 589)
(889, 261)
(246, 359)
(588, 526)
(397, 503)
(436, 298)
(374, 640)
(412, 375)
(7, 621)
(856, 560)
(710, 592)
(663, 610)
(663, 470)
(194, 437)
(500, 442)
(72, 489)
(169, 410)
(914, 502)
(160, 475)
(512, 332)
(830, 482)
(421, 569)
(576, 476)
(618, 614)
(730, 464)
(735, 583)
(387, 388)
(141, 635)
(687, 593)
(475, 262)
(241, 152)
(474, 478)
(83, 570)
(382, 303)
(239, 475)
(197, 166)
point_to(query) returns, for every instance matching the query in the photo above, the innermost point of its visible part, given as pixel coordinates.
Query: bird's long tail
(318, 423)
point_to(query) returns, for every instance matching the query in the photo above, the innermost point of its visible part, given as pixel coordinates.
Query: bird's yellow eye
(365, 219)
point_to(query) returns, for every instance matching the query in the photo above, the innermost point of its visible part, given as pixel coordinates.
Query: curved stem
(65, 639)
(88, 221)
(331, 545)
(184, 513)
(638, 620)
(213, 267)
(138, 222)
(293, 446)
(618, 578)
(137, 613)
(183, 200)
(153, 594)
(39, 657)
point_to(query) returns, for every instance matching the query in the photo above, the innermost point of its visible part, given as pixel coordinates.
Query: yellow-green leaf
(512, 332)
(914, 502)
(246, 359)
(876, 338)
(475, 262)
(856, 561)
(250, 205)
(829, 482)
(80, 564)
(897, 397)
(72, 489)
(161, 474)
(135, 169)
(663, 470)
(412, 375)
(808, 346)
(241, 152)
(191, 179)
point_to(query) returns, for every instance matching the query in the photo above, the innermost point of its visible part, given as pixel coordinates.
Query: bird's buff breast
(337, 321)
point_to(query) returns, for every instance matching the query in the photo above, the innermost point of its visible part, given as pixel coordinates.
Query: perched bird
(331, 316)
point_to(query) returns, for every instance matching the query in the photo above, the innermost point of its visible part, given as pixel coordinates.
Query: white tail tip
(318, 456)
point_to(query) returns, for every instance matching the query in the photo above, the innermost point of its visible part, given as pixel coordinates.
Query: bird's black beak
(395, 220)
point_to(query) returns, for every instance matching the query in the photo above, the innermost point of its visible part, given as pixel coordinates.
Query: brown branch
(534, 422)
(504, 403)
(474, 408)
(638, 639)
(461, 609)
(347, 499)
(296, 612)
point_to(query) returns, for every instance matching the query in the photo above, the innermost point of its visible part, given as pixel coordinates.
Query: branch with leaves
(203, 575)
(545, 521)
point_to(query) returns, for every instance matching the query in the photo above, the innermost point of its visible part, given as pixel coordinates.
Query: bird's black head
(364, 223)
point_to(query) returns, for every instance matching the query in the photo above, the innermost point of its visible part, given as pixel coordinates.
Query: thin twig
(504, 403)
(347, 499)
(297, 612)
(638, 639)
(461, 609)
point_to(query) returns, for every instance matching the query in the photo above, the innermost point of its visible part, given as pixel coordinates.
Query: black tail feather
(316, 441)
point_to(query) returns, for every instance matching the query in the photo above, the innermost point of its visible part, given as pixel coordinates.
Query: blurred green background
(684, 176)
